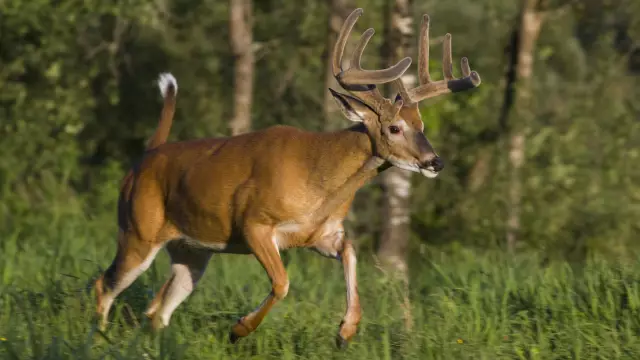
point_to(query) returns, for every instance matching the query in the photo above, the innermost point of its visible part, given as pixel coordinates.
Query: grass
(464, 306)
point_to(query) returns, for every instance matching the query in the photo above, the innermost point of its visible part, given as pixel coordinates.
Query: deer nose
(437, 164)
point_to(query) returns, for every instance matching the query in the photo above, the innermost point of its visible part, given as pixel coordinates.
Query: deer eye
(394, 129)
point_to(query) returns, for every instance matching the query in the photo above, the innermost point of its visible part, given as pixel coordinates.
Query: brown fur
(234, 195)
(259, 193)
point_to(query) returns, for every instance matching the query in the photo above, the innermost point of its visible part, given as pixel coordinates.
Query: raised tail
(169, 89)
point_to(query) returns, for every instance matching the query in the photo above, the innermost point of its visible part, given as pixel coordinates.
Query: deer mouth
(429, 172)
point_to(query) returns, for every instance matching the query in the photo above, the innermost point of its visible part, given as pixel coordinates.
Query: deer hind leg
(261, 241)
(134, 256)
(187, 265)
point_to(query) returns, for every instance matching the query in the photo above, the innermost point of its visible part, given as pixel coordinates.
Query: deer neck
(348, 163)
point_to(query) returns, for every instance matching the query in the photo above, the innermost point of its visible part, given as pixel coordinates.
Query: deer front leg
(349, 324)
(334, 245)
(262, 242)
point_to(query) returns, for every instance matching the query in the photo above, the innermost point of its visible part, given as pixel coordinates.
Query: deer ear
(352, 108)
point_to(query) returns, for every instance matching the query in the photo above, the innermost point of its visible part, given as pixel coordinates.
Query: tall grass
(464, 306)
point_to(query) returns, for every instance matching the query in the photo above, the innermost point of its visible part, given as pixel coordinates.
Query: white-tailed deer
(268, 190)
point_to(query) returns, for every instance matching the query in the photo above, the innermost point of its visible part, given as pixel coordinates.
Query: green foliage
(78, 102)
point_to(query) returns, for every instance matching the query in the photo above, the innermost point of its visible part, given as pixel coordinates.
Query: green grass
(467, 306)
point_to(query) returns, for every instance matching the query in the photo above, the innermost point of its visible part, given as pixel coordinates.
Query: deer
(272, 189)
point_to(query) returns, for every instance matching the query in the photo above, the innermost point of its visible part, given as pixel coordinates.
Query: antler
(356, 80)
(427, 88)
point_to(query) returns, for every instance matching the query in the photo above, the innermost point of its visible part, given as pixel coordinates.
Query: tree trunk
(338, 12)
(240, 32)
(531, 18)
(392, 250)
(396, 217)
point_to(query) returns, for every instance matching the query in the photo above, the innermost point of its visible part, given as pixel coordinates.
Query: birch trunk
(531, 19)
(392, 250)
(396, 207)
(241, 37)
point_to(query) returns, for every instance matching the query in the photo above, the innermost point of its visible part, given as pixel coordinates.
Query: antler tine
(356, 57)
(404, 93)
(373, 77)
(447, 62)
(464, 65)
(423, 52)
(355, 79)
(341, 42)
(428, 88)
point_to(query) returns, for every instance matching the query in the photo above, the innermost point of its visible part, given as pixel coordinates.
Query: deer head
(395, 127)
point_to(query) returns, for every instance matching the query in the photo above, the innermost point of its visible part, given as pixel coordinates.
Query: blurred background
(543, 155)
(541, 159)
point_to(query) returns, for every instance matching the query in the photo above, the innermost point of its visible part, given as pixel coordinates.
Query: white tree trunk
(396, 207)
(530, 24)
(392, 251)
(240, 31)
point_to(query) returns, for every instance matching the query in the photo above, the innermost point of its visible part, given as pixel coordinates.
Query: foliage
(78, 103)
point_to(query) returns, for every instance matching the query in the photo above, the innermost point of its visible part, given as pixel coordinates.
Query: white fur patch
(350, 273)
(288, 227)
(126, 281)
(403, 165)
(355, 116)
(181, 287)
(361, 115)
(197, 243)
(402, 124)
(165, 81)
(429, 173)
(274, 240)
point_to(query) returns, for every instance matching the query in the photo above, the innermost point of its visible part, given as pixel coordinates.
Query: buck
(273, 189)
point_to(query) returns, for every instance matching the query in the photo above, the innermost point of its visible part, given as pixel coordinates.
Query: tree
(240, 32)
(396, 182)
(530, 22)
(394, 241)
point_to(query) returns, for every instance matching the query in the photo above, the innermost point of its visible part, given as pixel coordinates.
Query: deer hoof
(341, 343)
(239, 330)
(233, 338)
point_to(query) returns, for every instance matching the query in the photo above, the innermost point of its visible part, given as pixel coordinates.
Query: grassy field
(466, 306)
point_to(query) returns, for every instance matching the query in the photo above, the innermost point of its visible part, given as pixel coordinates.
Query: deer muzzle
(432, 168)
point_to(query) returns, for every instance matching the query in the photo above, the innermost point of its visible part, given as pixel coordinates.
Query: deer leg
(349, 324)
(334, 245)
(133, 257)
(188, 265)
(261, 240)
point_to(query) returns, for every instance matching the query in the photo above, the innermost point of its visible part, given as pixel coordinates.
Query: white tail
(264, 191)
(165, 82)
